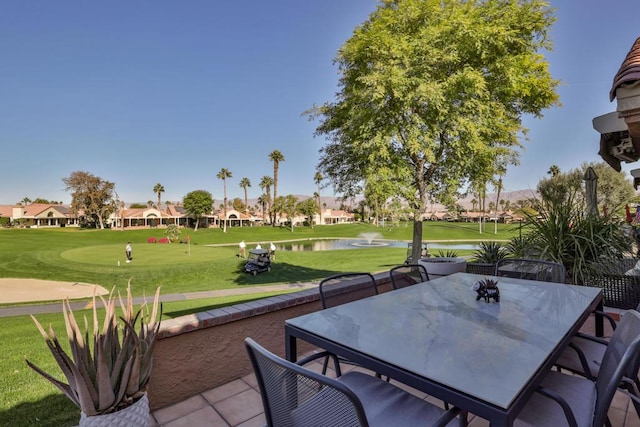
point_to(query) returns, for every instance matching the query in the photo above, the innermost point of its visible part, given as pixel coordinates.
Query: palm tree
(554, 171)
(265, 185)
(276, 157)
(244, 183)
(317, 178)
(262, 202)
(158, 189)
(223, 175)
(474, 202)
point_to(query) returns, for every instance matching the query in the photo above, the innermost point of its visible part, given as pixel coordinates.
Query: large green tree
(614, 189)
(308, 208)
(197, 204)
(435, 91)
(92, 195)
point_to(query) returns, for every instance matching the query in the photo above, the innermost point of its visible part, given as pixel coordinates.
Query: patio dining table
(486, 358)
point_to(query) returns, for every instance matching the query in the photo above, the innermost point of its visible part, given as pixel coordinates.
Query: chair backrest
(346, 287)
(295, 396)
(531, 269)
(407, 275)
(622, 358)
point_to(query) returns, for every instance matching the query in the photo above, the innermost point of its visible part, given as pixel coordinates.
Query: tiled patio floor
(238, 404)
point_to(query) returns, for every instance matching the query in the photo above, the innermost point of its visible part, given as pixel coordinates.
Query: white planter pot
(443, 266)
(136, 415)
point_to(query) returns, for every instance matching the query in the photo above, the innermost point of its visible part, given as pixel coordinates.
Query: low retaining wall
(202, 351)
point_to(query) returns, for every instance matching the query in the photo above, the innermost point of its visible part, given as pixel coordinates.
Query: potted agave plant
(110, 362)
(443, 264)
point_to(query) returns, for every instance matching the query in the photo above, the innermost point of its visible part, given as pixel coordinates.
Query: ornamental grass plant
(110, 361)
(562, 231)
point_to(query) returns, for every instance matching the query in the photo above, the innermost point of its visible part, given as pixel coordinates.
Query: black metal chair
(407, 275)
(295, 396)
(346, 287)
(340, 289)
(531, 269)
(577, 401)
(481, 268)
(584, 357)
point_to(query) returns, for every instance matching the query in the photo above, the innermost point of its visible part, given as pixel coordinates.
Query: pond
(337, 244)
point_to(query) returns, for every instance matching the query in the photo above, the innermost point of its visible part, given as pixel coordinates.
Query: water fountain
(370, 239)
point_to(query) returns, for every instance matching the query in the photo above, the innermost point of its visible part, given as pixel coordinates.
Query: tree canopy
(431, 96)
(92, 195)
(614, 189)
(198, 203)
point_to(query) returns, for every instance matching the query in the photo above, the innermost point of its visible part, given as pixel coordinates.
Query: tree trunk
(416, 250)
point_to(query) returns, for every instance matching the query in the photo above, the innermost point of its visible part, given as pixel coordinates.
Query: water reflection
(338, 244)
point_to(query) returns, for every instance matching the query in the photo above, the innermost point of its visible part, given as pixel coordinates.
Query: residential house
(40, 215)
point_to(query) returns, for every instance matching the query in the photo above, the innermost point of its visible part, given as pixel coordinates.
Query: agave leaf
(55, 349)
(103, 379)
(78, 381)
(154, 310)
(134, 376)
(73, 331)
(63, 387)
(123, 380)
(120, 359)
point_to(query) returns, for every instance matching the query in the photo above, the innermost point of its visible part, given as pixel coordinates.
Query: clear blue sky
(171, 92)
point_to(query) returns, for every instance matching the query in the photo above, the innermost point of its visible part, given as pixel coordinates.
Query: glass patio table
(485, 358)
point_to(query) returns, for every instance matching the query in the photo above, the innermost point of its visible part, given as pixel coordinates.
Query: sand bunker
(25, 290)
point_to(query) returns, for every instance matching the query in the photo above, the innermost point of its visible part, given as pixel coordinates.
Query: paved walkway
(56, 307)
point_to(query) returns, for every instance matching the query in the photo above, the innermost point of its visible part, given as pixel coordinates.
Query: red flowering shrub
(151, 240)
(164, 240)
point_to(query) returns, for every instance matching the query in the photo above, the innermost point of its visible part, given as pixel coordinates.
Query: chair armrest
(313, 357)
(568, 413)
(583, 361)
(607, 316)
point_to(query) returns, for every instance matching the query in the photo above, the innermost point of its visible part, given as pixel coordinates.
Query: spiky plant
(490, 252)
(110, 369)
(447, 254)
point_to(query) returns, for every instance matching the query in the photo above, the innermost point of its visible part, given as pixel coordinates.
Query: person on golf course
(127, 251)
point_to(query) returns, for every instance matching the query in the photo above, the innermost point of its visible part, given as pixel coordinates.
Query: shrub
(151, 240)
(490, 252)
(164, 240)
(562, 232)
(447, 254)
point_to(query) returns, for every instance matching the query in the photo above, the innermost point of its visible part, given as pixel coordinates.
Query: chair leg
(336, 365)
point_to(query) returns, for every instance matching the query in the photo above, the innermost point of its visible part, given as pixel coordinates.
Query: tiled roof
(36, 208)
(6, 211)
(629, 71)
(143, 212)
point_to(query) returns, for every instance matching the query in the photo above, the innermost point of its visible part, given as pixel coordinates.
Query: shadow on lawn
(55, 410)
(283, 272)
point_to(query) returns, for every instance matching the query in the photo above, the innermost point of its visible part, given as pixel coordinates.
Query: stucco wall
(205, 350)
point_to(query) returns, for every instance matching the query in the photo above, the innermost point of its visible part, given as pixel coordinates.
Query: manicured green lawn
(92, 256)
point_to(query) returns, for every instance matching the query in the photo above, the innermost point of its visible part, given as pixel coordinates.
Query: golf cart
(424, 253)
(258, 261)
